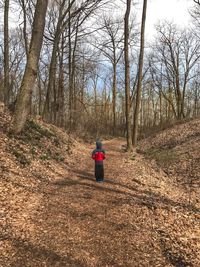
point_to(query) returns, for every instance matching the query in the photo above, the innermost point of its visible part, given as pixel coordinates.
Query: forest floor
(54, 214)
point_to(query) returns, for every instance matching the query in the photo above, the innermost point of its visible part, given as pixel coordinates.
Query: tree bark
(114, 96)
(73, 76)
(60, 98)
(52, 69)
(30, 75)
(6, 53)
(70, 68)
(25, 26)
(127, 74)
(139, 84)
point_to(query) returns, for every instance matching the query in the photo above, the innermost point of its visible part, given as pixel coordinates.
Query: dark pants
(99, 172)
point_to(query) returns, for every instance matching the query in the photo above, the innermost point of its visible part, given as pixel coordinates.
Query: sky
(174, 10)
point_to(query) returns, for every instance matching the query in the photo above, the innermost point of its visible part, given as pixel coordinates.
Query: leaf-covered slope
(177, 151)
(53, 212)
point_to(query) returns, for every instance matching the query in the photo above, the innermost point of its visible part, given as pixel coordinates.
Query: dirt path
(132, 219)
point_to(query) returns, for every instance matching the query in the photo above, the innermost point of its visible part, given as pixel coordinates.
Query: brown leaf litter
(54, 213)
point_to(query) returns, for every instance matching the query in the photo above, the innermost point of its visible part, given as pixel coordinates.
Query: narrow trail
(74, 221)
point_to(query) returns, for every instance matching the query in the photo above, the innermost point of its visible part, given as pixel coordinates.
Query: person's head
(98, 144)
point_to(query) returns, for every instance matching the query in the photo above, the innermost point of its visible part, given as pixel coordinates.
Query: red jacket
(98, 156)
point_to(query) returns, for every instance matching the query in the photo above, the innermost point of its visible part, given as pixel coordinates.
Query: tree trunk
(70, 67)
(160, 108)
(183, 94)
(25, 26)
(114, 96)
(60, 97)
(139, 85)
(52, 69)
(196, 100)
(178, 95)
(30, 75)
(127, 74)
(73, 77)
(52, 72)
(83, 83)
(6, 53)
(39, 95)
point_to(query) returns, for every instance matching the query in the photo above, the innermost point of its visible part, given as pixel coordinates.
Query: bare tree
(70, 18)
(65, 84)
(63, 11)
(26, 9)
(139, 84)
(197, 2)
(6, 53)
(127, 74)
(175, 56)
(110, 43)
(24, 98)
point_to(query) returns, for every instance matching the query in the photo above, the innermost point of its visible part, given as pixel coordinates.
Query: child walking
(99, 155)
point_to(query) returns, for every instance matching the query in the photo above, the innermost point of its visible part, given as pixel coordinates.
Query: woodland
(84, 66)
(73, 72)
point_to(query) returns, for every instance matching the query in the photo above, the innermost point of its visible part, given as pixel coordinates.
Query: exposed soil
(54, 213)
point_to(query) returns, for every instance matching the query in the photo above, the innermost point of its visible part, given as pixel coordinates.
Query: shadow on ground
(146, 198)
(28, 252)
